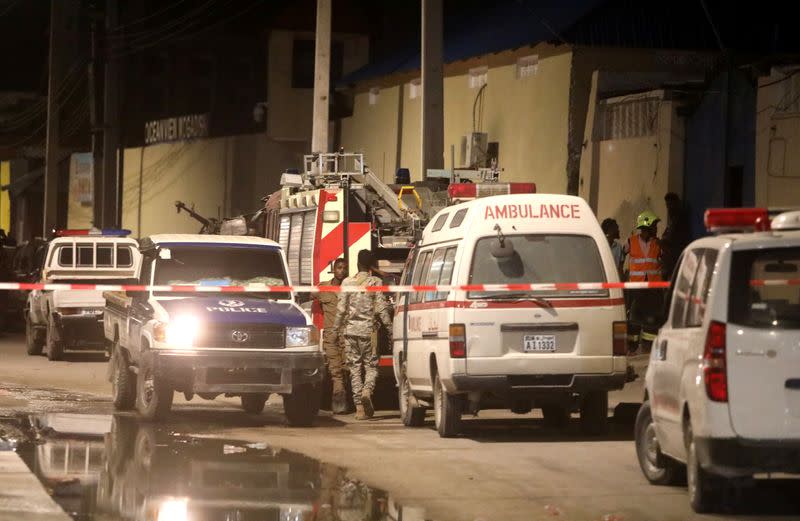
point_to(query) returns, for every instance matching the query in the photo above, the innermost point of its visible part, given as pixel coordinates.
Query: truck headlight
(303, 336)
(179, 332)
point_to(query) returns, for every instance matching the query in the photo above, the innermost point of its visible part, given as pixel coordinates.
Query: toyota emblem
(231, 303)
(240, 337)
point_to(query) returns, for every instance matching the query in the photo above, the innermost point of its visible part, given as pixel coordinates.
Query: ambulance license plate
(539, 343)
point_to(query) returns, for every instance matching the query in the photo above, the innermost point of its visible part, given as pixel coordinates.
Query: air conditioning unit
(473, 150)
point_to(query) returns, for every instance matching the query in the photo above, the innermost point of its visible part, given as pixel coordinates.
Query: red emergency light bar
(473, 190)
(737, 219)
(94, 232)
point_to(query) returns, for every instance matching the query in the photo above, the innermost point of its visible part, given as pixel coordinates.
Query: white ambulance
(558, 350)
(723, 384)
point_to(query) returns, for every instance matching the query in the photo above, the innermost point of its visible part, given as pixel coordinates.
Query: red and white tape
(256, 288)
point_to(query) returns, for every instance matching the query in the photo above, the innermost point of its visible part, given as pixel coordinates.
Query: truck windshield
(213, 265)
(537, 258)
(753, 305)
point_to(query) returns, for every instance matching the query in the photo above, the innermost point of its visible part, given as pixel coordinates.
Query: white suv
(723, 384)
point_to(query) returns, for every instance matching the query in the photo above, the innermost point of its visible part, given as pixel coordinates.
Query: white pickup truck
(247, 344)
(73, 319)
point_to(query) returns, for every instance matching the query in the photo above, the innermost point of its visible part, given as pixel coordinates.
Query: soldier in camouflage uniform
(355, 322)
(334, 348)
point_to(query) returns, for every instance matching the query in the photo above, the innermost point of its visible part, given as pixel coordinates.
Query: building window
(627, 119)
(478, 77)
(374, 92)
(527, 66)
(415, 88)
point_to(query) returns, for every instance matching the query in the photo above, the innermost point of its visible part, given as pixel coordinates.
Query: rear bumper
(735, 456)
(237, 372)
(80, 331)
(539, 384)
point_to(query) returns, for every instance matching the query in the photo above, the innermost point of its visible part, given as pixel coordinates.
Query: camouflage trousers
(334, 354)
(360, 355)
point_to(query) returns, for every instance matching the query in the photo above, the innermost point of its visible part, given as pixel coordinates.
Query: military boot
(366, 401)
(339, 403)
(360, 412)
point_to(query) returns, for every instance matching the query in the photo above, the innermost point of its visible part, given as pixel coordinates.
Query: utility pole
(54, 77)
(110, 175)
(432, 86)
(95, 125)
(322, 75)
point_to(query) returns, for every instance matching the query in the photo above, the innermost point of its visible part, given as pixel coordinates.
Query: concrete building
(618, 102)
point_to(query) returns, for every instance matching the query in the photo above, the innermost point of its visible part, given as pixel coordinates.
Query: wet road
(213, 461)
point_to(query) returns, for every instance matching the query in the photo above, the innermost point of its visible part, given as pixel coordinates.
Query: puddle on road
(115, 467)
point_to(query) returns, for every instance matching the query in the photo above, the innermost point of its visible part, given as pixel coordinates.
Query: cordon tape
(260, 288)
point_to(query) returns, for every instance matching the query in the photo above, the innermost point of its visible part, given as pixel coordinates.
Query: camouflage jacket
(357, 313)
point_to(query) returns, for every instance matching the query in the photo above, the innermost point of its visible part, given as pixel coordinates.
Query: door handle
(430, 334)
(662, 351)
(793, 384)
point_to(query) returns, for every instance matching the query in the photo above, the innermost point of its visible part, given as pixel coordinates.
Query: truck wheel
(302, 405)
(594, 413)
(253, 403)
(556, 416)
(411, 415)
(705, 489)
(55, 347)
(447, 410)
(153, 395)
(33, 339)
(123, 382)
(656, 467)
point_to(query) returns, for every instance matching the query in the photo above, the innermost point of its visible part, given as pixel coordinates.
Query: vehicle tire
(123, 380)
(705, 489)
(253, 403)
(556, 416)
(33, 339)
(656, 467)
(121, 443)
(411, 415)
(153, 395)
(145, 448)
(55, 347)
(302, 405)
(447, 410)
(594, 413)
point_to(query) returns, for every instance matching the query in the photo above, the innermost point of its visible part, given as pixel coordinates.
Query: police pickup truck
(73, 318)
(233, 343)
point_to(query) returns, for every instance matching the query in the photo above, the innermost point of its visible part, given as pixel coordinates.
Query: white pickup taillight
(714, 367)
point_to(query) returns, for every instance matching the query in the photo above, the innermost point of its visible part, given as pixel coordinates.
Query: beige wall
(289, 110)
(375, 132)
(221, 177)
(526, 116)
(777, 146)
(634, 174)
(411, 135)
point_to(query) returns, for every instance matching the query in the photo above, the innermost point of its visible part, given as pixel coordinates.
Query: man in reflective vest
(644, 265)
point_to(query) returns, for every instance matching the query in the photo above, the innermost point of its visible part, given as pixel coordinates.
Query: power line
(170, 26)
(190, 34)
(148, 17)
(713, 26)
(775, 82)
(9, 7)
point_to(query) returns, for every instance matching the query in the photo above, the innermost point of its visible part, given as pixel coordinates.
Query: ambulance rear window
(538, 258)
(753, 305)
